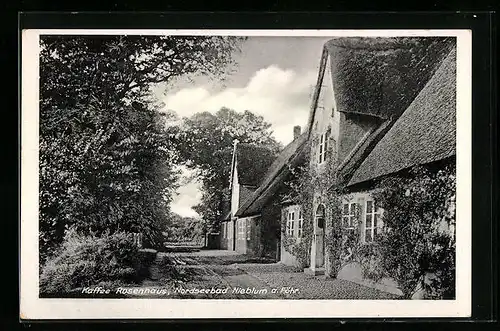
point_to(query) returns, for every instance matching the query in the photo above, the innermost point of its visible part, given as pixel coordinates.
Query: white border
(32, 307)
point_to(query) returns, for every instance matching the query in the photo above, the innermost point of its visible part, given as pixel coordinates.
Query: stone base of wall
(353, 273)
(288, 259)
(315, 272)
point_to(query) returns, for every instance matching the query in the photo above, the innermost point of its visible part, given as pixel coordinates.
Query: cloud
(188, 195)
(281, 96)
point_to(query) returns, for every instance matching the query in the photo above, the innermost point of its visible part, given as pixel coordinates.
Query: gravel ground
(268, 267)
(302, 286)
(229, 271)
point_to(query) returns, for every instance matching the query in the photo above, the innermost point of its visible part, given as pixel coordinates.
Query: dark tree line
(106, 157)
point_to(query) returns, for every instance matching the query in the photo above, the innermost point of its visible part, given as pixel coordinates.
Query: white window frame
(242, 229)
(323, 145)
(300, 224)
(375, 227)
(290, 222)
(248, 229)
(349, 218)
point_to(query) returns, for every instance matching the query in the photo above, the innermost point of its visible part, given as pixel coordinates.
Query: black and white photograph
(234, 171)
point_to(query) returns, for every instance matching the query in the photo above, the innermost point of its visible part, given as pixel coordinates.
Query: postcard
(175, 174)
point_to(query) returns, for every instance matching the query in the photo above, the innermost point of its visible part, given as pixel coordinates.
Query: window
(224, 230)
(242, 229)
(322, 148)
(372, 220)
(291, 223)
(249, 229)
(349, 216)
(300, 225)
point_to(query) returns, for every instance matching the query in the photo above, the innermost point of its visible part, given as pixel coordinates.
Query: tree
(184, 229)
(206, 145)
(106, 159)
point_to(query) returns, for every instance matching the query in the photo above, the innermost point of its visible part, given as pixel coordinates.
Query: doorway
(319, 235)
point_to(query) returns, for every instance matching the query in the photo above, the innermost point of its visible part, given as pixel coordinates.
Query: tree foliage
(206, 146)
(106, 159)
(184, 229)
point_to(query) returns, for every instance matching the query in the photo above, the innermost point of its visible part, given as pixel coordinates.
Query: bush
(88, 261)
(419, 240)
(143, 260)
(371, 261)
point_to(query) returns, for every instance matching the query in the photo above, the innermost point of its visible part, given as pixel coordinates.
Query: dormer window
(322, 148)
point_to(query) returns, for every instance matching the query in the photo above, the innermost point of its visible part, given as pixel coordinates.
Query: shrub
(88, 261)
(419, 241)
(143, 260)
(370, 260)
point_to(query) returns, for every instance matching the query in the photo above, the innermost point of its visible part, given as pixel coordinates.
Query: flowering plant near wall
(336, 248)
(311, 186)
(370, 260)
(417, 246)
(299, 192)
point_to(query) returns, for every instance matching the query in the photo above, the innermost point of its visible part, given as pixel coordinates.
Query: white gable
(235, 191)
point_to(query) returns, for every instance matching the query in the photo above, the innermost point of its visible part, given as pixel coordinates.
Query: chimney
(296, 131)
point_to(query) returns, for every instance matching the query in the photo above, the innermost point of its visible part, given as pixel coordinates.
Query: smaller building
(248, 168)
(252, 224)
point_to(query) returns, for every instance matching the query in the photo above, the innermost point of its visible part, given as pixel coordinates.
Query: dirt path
(226, 275)
(203, 274)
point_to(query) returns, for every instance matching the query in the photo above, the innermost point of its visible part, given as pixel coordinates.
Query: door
(320, 236)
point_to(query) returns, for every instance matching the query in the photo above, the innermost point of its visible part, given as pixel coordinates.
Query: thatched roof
(372, 76)
(381, 76)
(252, 162)
(424, 133)
(274, 177)
(245, 193)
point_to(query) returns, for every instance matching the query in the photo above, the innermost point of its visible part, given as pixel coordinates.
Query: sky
(274, 78)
